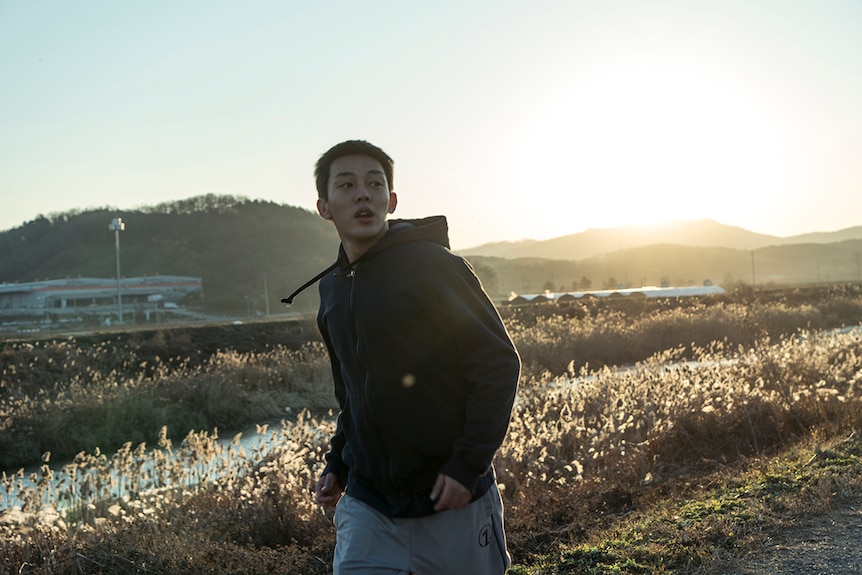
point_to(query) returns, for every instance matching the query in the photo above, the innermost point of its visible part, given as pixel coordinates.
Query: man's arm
(489, 363)
(335, 466)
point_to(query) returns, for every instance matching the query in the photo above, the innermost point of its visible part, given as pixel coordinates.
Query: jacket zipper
(366, 391)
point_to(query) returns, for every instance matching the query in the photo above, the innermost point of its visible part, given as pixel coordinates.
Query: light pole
(117, 226)
(753, 275)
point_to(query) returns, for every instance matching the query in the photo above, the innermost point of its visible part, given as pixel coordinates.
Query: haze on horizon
(515, 119)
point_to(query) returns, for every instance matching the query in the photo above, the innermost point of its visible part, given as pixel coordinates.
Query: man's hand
(449, 494)
(328, 490)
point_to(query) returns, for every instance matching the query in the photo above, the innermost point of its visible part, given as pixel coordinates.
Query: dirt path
(829, 544)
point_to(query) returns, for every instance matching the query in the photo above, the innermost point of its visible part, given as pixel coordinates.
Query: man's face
(359, 202)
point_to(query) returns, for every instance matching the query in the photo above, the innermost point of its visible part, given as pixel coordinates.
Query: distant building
(648, 291)
(94, 296)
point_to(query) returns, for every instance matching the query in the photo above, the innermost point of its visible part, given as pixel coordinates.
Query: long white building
(647, 291)
(95, 295)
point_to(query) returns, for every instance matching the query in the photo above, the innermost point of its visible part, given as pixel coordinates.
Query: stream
(201, 458)
(197, 459)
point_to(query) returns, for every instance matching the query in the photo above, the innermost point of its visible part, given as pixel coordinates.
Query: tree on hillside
(488, 276)
(209, 203)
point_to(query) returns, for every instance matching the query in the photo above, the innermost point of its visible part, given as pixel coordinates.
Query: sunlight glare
(649, 144)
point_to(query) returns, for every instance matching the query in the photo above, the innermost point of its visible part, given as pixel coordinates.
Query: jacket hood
(431, 229)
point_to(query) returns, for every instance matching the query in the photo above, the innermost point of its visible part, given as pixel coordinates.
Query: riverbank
(67, 395)
(638, 470)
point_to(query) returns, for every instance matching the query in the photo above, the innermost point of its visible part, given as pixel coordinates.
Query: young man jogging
(425, 375)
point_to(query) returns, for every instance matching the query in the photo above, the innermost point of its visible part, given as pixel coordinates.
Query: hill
(690, 233)
(241, 248)
(244, 249)
(677, 253)
(675, 265)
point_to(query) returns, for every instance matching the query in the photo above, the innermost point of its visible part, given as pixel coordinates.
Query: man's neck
(356, 249)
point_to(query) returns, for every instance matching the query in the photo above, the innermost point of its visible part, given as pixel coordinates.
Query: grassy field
(730, 418)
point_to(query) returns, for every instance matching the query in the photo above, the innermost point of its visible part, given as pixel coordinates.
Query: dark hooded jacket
(425, 372)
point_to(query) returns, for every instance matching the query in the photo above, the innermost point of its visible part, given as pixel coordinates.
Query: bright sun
(648, 144)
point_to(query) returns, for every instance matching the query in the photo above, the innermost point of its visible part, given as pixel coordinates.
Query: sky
(515, 119)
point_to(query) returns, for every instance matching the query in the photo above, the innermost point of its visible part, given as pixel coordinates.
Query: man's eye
(345, 185)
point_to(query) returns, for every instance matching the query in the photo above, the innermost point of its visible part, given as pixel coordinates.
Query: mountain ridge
(249, 253)
(704, 233)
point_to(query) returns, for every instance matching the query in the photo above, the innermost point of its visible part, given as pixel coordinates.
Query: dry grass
(65, 398)
(577, 453)
(640, 457)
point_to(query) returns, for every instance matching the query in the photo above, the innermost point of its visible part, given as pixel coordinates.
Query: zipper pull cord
(289, 299)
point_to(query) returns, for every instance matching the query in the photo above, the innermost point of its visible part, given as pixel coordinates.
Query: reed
(588, 443)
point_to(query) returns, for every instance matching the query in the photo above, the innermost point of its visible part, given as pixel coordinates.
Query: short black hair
(350, 148)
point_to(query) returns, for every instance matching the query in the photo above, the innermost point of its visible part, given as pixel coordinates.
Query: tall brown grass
(101, 404)
(584, 442)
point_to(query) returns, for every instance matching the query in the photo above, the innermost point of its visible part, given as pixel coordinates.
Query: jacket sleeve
(489, 365)
(334, 463)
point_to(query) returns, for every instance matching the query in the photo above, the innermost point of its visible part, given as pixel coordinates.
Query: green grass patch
(706, 529)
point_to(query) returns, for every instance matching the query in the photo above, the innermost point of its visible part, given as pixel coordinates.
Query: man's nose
(362, 192)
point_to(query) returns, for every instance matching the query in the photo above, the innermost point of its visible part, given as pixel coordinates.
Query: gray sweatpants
(467, 541)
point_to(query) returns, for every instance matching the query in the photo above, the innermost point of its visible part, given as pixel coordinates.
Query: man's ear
(393, 201)
(323, 209)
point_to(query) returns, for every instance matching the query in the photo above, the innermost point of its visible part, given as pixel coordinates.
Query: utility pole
(265, 294)
(753, 275)
(857, 257)
(117, 226)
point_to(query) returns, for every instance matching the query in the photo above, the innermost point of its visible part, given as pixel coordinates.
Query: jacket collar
(433, 229)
